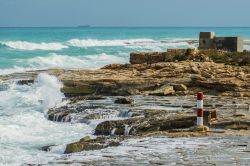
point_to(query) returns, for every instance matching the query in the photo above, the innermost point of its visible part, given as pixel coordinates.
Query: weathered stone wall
(208, 40)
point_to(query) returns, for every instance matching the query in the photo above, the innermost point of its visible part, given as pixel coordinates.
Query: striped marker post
(200, 109)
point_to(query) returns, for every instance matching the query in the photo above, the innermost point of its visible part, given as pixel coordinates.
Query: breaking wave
(15, 69)
(75, 62)
(138, 44)
(146, 44)
(96, 43)
(24, 45)
(24, 127)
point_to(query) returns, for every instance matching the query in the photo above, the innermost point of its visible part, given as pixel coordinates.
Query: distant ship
(83, 26)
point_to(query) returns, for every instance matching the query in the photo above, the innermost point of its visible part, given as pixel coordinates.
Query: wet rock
(46, 148)
(143, 125)
(87, 144)
(124, 100)
(59, 117)
(81, 98)
(25, 82)
(118, 126)
(232, 124)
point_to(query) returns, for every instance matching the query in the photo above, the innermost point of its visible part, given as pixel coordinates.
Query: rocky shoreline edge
(168, 82)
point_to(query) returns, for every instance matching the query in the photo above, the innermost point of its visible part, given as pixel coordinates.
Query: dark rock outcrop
(123, 100)
(143, 125)
(87, 144)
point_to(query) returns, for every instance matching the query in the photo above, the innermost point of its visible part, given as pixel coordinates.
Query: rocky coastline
(154, 96)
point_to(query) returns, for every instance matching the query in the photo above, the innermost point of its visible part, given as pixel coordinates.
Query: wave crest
(24, 45)
(75, 62)
(102, 43)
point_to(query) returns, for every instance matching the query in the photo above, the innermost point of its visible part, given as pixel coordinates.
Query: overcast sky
(125, 12)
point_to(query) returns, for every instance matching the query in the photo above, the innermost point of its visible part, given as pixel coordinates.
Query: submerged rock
(25, 82)
(46, 148)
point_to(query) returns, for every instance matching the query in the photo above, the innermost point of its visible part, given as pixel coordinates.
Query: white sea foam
(55, 60)
(146, 44)
(137, 44)
(75, 62)
(66, 62)
(247, 47)
(96, 43)
(161, 45)
(48, 90)
(24, 127)
(24, 45)
(15, 69)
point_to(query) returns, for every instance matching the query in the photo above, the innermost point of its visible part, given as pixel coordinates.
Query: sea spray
(113, 131)
(74, 62)
(106, 43)
(127, 130)
(23, 127)
(28, 46)
(48, 89)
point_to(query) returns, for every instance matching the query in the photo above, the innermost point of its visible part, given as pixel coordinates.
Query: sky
(39, 13)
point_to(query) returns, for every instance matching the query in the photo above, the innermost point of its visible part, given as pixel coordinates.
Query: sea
(24, 127)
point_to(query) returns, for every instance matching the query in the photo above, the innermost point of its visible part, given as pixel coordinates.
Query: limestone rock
(206, 75)
(199, 129)
(195, 70)
(180, 87)
(164, 91)
(240, 114)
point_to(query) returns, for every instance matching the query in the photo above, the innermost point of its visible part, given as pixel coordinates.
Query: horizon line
(89, 26)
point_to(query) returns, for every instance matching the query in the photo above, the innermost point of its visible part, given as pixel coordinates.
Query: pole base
(199, 129)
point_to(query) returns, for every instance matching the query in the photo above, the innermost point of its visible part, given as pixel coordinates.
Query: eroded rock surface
(167, 78)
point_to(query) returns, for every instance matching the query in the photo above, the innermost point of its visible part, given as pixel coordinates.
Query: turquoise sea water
(24, 127)
(89, 48)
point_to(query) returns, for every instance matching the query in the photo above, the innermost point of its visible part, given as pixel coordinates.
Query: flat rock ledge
(162, 79)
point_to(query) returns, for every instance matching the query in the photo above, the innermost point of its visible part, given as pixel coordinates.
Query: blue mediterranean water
(24, 127)
(89, 48)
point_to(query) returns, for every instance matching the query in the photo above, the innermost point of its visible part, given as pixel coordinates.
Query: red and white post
(200, 109)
